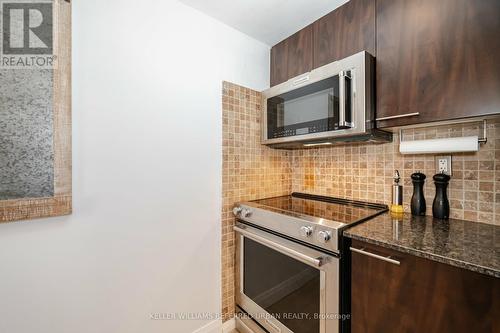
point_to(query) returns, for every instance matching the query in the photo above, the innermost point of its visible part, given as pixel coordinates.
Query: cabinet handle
(373, 255)
(399, 116)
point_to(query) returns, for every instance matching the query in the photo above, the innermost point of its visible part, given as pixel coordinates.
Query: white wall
(145, 233)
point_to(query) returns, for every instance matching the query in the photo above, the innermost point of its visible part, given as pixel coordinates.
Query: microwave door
(306, 110)
(332, 103)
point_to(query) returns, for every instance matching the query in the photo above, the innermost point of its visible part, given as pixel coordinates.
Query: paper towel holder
(483, 140)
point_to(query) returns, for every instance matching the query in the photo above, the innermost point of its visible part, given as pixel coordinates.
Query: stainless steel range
(288, 259)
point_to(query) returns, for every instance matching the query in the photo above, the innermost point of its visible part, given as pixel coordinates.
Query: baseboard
(229, 325)
(212, 327)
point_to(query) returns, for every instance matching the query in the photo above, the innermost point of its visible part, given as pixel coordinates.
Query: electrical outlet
(443, 164)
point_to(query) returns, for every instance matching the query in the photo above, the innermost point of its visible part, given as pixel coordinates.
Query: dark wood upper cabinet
(419, 295)
(347, 30)
(300, 52)
(435, 60)
(279, 63)
(293, 56)
(438, 59)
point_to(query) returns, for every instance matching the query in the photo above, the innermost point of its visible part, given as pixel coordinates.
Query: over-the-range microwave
(333, 103)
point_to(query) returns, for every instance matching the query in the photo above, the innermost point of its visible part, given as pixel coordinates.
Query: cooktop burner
(334, 209)
(314, 219)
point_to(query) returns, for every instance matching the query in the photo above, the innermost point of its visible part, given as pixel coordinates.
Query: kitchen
(395, 269)
(193, 166)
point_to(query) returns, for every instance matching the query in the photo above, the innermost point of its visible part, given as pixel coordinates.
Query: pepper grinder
(418, 199)
(441, 205)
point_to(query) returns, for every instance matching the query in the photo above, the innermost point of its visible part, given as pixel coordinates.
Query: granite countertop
(470, 245)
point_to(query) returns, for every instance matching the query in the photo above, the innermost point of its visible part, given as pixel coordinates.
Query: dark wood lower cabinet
(419, 295)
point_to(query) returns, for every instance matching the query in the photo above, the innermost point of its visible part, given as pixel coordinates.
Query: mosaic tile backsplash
(357, 171)
(365, 172)
(250, 171)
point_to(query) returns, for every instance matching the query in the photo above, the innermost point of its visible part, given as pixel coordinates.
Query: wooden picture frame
(61, 201)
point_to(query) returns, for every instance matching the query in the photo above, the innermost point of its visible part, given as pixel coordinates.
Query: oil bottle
(397, 194)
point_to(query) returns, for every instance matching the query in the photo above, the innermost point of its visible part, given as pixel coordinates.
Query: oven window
(284, 287)
(310, 109)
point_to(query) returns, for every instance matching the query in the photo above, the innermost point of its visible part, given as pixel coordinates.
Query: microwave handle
(343, 96)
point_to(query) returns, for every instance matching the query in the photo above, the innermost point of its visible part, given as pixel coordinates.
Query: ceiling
(269, 21)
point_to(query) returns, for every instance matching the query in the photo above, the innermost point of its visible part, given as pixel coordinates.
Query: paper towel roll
(433, 146)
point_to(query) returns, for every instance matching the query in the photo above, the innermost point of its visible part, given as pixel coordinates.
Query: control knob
(306, 231)
(324, 236)
(245, 212)
(237, 210)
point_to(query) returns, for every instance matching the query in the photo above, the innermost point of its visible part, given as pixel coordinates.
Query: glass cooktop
(334, 209)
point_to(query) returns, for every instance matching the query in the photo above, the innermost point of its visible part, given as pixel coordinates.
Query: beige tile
(250, 171)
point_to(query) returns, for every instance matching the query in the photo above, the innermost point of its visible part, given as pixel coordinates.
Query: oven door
(286, 286)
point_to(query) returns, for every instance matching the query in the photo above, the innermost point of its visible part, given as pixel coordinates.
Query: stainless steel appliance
(288, 260)
(332, 103)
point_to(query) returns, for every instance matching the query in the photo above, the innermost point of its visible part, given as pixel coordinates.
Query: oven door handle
(317, 262)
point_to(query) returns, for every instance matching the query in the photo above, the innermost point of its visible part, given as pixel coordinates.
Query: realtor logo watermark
(27, 34)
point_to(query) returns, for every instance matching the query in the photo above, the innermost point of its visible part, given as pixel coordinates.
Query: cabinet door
(347, 30)
(300, 52)
(292, 56)
(279, 63)
(419, 295)
(438, 59)
(376, 286)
